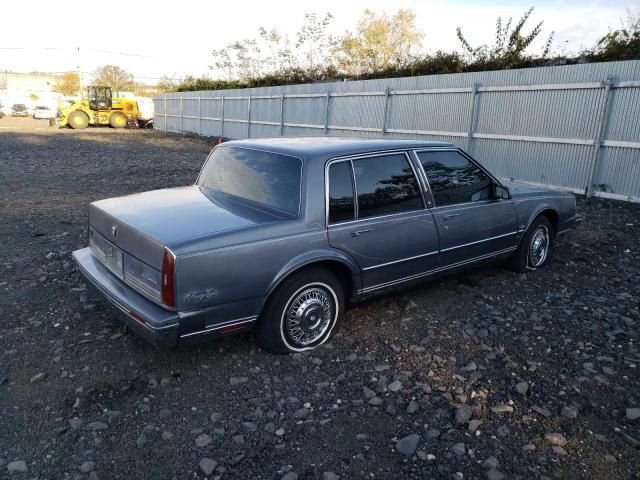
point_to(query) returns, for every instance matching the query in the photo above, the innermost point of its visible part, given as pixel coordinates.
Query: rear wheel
(118, 120)
(302, 314)
(536, 247)
(78, 119)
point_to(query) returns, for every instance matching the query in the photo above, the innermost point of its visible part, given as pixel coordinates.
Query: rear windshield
(267, 178)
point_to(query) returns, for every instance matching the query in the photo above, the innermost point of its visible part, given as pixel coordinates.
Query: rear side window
(341, 204)
(386, 185)
(453, 178)
(267, 178)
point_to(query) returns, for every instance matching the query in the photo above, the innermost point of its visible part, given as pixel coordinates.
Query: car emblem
(114, 231)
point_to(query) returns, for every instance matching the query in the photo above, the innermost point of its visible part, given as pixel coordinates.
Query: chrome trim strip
(239, 321)
(401, 260)
(364, 221)
(143, 287)
(428, 194)
(359, 156)
(434, 271)
(356, 206)
(465, 205)
(478, 241)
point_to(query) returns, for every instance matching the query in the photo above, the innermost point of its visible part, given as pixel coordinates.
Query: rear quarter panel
(244, 266)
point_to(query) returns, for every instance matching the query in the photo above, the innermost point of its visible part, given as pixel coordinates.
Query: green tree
(115, 77)
(379, 42)
(68, 84)
(167, 83)
(509, 48)
(620, 44)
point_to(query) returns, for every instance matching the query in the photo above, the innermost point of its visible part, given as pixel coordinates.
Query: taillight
(168, 278)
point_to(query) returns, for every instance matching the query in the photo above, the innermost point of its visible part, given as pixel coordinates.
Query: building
(28, 88)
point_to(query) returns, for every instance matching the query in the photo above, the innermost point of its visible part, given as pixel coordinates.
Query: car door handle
(360, 232)
(450, 216)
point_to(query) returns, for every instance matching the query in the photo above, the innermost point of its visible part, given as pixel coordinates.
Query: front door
(471, 222)
(376, 214)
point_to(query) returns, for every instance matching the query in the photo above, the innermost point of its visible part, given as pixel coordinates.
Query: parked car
(280, 234)
(19, 110)
(42, 111)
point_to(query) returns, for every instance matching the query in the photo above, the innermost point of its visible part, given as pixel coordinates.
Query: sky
(155, 38)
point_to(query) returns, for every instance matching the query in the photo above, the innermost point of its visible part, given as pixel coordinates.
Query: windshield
(267, 178)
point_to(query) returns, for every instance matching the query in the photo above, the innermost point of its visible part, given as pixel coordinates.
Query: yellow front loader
(99, 108)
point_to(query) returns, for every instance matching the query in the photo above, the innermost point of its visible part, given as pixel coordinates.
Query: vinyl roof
(308, 147)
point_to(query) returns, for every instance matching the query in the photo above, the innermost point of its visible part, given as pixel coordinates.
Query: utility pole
(80, 73)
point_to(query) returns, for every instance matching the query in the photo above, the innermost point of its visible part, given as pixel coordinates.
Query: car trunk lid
(143, 224)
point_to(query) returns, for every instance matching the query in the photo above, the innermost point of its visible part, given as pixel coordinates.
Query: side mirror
(502, 192)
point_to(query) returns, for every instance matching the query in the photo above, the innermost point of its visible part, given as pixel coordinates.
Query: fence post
(600, 131)
(249, 117)
(199, 115)
(326, 113)
(165, 113)
(281, 114)
(472, 117)
(387, 92)
(222, 127)
(181, 116)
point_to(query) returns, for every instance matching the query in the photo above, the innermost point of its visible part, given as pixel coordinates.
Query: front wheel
(303, 313)
(536, 247)
(78, 119)
(118, 120)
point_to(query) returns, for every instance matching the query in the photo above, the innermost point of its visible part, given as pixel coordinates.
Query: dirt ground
(488, 374)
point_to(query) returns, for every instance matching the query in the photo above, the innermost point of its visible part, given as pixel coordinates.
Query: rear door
(471, 222)
(376, 213)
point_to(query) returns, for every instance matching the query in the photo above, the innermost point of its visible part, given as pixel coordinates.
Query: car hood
(172, 215)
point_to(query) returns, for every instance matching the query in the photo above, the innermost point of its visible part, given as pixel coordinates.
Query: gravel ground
(489, 374)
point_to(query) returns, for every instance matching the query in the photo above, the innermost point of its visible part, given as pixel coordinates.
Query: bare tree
(510, 45)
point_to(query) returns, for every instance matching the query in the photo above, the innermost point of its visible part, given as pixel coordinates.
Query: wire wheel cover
(539, 246)
(309, 315)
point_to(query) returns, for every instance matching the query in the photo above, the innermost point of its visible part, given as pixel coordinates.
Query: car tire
(302, 313)
(118, 120)
(78, 119)
(536, 248)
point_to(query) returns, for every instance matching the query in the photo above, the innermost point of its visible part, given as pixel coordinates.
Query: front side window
(386, 184)
(266, 178)
(341, 204)
(454, 179)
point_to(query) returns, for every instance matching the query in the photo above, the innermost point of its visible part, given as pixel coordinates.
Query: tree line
(380, 46)
(384, 45)
(112, 76)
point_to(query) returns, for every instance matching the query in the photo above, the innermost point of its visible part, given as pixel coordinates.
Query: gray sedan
(280, 234)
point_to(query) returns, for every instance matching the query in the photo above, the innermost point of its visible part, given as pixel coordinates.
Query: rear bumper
(155, 324)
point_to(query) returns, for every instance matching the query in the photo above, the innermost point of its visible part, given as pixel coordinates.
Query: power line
(121, 53)
(109, 52)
